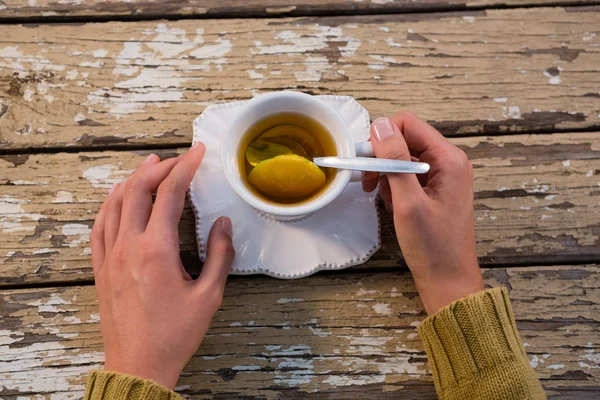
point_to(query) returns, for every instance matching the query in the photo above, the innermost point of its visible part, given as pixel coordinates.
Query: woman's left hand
(153, 314)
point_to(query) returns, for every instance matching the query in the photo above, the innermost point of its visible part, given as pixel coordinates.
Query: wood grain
(336, 336)
(73, 9)
(536, 200)
(142, 83)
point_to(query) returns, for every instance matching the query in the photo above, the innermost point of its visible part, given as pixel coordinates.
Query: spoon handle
(373, 164)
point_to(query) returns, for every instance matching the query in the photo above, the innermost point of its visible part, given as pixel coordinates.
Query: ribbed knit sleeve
(475, 350)
(107, 385)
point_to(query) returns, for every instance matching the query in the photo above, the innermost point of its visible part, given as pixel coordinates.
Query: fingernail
(226, 226)
(196, 145)
(383, 128)
(112, 189)
(148, 159)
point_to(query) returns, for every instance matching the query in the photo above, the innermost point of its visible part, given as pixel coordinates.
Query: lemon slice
(287, 177)
(261, 150)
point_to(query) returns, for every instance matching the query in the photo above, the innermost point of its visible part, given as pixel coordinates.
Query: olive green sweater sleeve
(108, 385)
(475, 351)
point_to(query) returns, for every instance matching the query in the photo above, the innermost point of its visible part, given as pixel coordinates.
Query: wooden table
(89, 87)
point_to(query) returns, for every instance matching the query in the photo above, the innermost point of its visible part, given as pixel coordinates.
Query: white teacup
(269, 104)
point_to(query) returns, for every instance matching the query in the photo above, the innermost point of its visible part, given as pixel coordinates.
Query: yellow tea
(275, 158)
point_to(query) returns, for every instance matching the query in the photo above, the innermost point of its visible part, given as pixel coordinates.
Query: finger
(420, 137)
(97, 241)
(137, 203)
(386, 194)
(369, 181)
(170, 197)
(219, 258)
(421, 177)
(389, 143)
(112, 219)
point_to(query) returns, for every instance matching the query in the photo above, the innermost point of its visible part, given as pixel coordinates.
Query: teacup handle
(363, 149)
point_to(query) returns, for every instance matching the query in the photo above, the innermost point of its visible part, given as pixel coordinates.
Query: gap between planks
(293, 11)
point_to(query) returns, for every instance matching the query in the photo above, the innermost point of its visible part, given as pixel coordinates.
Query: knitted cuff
(474, 347)
(104, 385)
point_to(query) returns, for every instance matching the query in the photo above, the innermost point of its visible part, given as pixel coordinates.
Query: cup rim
(231, 170)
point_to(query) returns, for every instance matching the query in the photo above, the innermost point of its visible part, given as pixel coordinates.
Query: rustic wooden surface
(142, 83)
(81, 102)
(536, 201)
(328, 336)
(102, 9)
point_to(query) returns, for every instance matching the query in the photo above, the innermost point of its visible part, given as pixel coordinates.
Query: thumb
(219, 258)
(389, 143)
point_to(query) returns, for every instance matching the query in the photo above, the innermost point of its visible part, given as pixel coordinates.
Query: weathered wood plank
(337, 336)
(69, 9)
(536, 201)
(122, 84)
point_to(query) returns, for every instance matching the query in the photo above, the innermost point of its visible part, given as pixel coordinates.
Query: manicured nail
(383, 128)
(149, 159)
(226, 226)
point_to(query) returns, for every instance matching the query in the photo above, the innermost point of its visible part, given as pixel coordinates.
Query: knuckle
(169, 187)
(97, 235)
(151, 250)
(119, 254)
(212, 296)
(133, 184)
(459, 160)
(407, 209)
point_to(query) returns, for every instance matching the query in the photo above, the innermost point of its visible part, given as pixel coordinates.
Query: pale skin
(154, 315)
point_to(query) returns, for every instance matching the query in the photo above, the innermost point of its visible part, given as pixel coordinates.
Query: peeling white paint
(390, 42)
(171, 54)
(382, 309)
(284, 300)
(566, 163)
(255, 75)
(105, 176)
(592, 359)
(501, 99)
(62, 196)
(315, 66)
(511, 112)
(80, 230)
(100, 53)
(91, 64)
(590, 173)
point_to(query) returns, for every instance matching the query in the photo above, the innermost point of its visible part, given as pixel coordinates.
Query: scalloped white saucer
(340, 235)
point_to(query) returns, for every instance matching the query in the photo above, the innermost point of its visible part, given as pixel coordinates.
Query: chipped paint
(105, 176)
(382, 309)
(284, 300)
(62, 196)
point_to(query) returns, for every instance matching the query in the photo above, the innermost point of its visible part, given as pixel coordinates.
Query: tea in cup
(268, 150)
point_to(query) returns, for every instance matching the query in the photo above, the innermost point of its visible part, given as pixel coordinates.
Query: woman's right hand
(433, 214)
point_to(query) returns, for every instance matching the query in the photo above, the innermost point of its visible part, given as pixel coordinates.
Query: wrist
(437, 295)
(162, 375)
